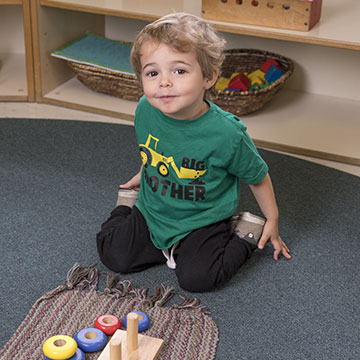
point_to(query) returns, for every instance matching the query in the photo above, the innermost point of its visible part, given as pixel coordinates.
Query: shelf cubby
(16, 72)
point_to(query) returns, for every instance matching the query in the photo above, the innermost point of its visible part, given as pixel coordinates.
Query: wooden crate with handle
(284, 14)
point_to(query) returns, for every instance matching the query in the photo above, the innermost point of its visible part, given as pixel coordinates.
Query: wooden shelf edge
(307, 152)
(74, 106)
(14, 98)
(270, 34)
(11, 2)
(99, 10)
(29, 51)
(35, 49)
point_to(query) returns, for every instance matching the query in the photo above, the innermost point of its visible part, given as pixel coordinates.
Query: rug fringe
(162, 295)
(122, 288)
(193, 303)
(110, 280)
(80, 276)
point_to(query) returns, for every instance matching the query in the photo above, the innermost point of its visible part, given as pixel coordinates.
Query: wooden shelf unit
(17, 70)
(321, 116)
(339, 21)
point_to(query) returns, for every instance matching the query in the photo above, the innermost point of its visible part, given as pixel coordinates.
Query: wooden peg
(132, 331)
(115, 349)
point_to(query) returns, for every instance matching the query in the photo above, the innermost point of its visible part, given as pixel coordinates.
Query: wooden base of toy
(148, 347)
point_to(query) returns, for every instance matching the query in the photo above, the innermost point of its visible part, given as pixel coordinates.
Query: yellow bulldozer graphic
(150, 157)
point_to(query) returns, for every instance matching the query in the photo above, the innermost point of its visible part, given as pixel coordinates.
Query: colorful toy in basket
(269, 72)
(274, 73)
(240, 81)
(248, 61)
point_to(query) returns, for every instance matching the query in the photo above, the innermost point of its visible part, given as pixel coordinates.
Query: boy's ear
(210, 82)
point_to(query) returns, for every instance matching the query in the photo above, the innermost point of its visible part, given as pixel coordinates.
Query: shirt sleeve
(246, 162)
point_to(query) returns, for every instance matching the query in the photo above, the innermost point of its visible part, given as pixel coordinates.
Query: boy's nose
(165, 82)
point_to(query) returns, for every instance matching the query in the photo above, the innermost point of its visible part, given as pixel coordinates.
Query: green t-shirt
(191, 171)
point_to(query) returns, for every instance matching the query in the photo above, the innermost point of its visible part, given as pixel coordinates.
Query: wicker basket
(125, 86)
(248, 60)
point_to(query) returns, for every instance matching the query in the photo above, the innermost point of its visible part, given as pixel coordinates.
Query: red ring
(108, 324)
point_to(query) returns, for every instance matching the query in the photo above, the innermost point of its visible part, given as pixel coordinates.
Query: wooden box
(284, 14)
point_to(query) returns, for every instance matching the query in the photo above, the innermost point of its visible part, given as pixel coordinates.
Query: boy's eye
(151, 73)
(180, 71)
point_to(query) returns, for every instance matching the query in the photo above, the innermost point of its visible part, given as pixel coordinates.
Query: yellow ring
(59, 347)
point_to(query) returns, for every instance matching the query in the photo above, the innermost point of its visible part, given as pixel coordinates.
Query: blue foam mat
(98, 51)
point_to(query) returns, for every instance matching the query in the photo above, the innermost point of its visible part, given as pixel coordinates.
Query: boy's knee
(109, 255)
(195, 281)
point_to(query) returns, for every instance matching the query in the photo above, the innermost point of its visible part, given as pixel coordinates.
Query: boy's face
(173, 81)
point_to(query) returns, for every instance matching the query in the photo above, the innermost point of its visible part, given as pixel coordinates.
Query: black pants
(205, 258)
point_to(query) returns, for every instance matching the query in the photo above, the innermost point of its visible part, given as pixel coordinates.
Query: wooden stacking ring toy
(90, 339)
(59, 347)
(108, 324)
(79, 355)
(144, 320)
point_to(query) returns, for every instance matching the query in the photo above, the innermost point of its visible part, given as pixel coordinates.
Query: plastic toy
(107, 323)
(269, 72)
(256, 80)
(273, 74)
(267, 64)
(240, 81)
(257, 77)
(90, 339)
(79, 355)
(59, 347)
(144, 320)
(128, 345)
(222, 83)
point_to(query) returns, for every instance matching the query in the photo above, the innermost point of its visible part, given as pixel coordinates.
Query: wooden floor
(35, 110)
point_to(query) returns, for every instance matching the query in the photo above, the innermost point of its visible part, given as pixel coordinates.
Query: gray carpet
(59, 180)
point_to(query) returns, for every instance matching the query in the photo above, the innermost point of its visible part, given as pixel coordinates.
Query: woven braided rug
(187, 330)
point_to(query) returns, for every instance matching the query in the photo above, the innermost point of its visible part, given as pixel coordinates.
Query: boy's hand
(271, 234)
(133, 183)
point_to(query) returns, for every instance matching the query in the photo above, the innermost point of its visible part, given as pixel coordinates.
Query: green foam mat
(99, 51)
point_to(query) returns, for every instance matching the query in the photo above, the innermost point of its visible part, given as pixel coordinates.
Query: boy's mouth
(166, 98)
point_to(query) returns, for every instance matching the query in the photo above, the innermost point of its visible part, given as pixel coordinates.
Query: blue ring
(79, 355)
(144, 323)
(90, 345)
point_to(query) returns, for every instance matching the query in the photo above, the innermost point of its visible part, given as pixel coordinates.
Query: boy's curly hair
(184, 33)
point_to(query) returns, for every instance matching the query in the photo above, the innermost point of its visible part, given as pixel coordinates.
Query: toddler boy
(193, 156)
